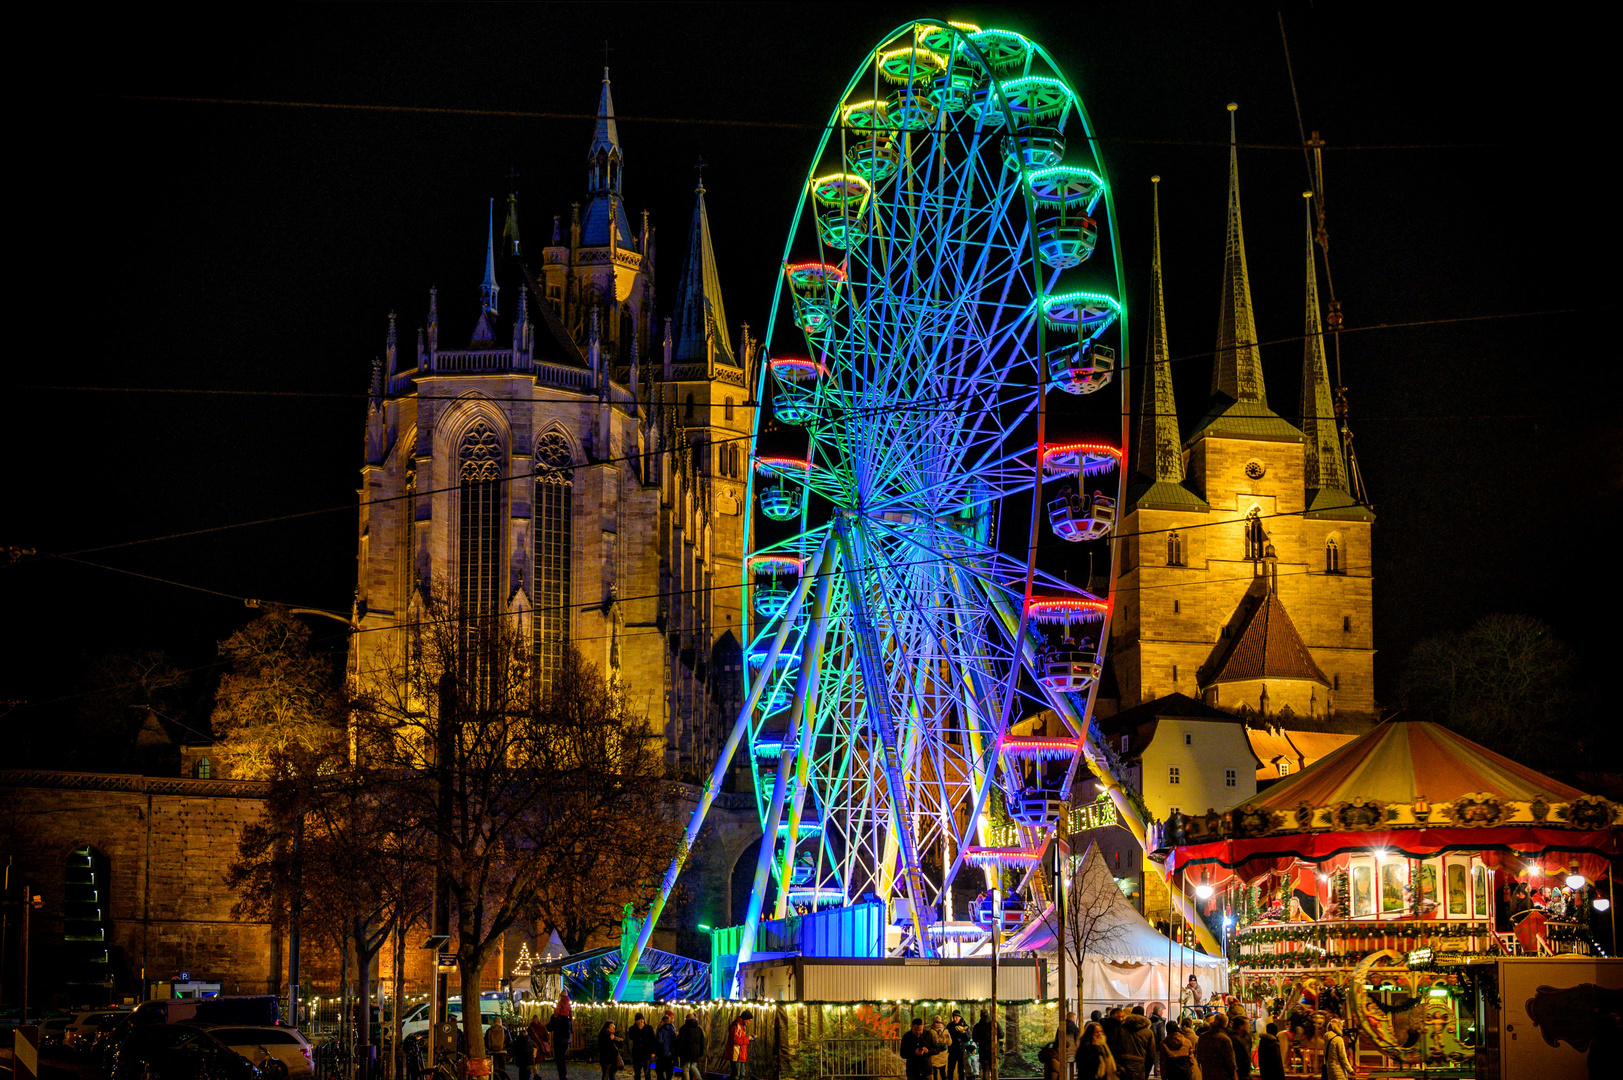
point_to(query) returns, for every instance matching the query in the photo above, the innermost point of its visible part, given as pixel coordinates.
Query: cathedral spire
(605, 155)
(1160, 448)
(701, 318)
(510, 226)
(1323, 465)
(1237, 372)
(488, 291)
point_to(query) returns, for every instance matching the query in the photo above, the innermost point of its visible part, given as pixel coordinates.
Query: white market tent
(1127, 961)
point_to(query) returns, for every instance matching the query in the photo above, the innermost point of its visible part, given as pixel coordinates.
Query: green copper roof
(1335, 503)
(1163, 495)
(1232, 419)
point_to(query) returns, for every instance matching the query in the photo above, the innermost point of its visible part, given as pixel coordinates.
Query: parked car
(415, 1020)
(53, 1032)
(85, 1026)
(177, 1052)
(259, 1044)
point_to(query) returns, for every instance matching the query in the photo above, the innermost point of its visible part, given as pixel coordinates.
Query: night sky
(259, 248)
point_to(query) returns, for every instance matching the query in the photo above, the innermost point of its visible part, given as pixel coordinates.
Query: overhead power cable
(786, 125)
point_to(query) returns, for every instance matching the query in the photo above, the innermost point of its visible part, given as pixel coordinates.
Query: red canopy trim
(1410, 843)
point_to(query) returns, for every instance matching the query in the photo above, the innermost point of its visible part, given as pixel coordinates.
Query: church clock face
(1254, 469)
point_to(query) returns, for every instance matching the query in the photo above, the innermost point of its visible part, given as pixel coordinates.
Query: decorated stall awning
(1409, 786)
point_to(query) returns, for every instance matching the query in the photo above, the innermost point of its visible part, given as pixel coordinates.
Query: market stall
(1360, 884)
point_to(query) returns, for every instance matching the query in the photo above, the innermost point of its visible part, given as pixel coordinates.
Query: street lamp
(1204, 891)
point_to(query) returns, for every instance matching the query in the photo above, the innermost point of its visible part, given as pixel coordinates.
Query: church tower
(1246, 575)
(565, 467)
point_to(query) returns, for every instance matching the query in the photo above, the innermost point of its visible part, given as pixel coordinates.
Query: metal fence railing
(859, 1059)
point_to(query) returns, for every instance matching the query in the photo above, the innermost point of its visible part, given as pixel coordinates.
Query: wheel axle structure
(947, 351)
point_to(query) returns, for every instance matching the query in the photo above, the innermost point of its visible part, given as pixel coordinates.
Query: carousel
(1368, 885)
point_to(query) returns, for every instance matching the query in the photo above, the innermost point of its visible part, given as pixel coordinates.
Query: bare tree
(1091, 925)
(508, 789)
(1507, 682)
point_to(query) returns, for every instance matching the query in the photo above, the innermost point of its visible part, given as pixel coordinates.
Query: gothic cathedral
(568, 457)
(1246, 575)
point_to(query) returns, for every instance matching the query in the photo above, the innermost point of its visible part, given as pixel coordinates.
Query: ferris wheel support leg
(1130, 815)
(719, 773)
(805, 694)
(877, 691)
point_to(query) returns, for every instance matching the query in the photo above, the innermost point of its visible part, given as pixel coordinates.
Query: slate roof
(1244, 420)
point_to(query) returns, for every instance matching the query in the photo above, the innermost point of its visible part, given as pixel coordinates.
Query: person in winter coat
(1137, 1040)
(1336, 1065)
(690, 1048)
(496, 1047)
(988, 1042)
(562, 1029)
(641, 1047)
(1240, 1035)
(916, 1050)
(1270, 1055)
(941, 1041)
(958, 1056)
(608, 1050)
(1049, 1056)
(738, 1043)
(1158, 1025)
(522, 1049)
(665, 1046)
(1094, 1060)
(1214, 1053)
(1178, 1055)
(1112, 1029)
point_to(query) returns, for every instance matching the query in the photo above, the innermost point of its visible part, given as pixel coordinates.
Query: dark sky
(250, 247)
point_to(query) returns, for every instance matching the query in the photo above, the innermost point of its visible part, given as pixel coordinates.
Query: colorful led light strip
(776, 564)
(808, 272)
(979, 856)
(797, 368)
(772, 466)
(1068, 608)
(1081, 299)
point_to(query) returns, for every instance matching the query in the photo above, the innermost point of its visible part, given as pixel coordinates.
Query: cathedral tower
(566, 466)
(1246, 564)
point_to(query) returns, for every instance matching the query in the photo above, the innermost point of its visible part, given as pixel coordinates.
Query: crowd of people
(1124, 1044)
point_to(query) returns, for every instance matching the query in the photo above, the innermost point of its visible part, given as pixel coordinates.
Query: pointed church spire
(1238, 370)
(488, 291)
(605, 156)
(701, 319)
(1323, 464)
(1160, 447)
(510, 226)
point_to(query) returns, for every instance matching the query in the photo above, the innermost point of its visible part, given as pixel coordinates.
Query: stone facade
(167, 843)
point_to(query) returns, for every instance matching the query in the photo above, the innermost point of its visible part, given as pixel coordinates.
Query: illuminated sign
(1096, 815)
(1419, 958)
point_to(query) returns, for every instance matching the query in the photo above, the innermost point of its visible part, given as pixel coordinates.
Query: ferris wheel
(937, 465)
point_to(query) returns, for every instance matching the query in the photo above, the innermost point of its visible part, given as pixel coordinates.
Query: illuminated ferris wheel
(937, 467)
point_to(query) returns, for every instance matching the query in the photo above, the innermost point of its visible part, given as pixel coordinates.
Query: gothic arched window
(1332, 556)
(729, 407)
(554, 541)
(479, 562)
(1255, 539)
(1174, 548)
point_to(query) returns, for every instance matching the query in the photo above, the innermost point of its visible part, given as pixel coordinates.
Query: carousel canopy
(1408, 785)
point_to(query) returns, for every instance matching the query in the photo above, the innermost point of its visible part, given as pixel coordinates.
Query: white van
(416, 1019)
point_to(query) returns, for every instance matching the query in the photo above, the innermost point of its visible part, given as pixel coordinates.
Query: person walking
(1112, 1029)
(1177, 1054)
(562, 1029)
(738, 1043)
(665, 1046)
(496, 1047)
(1214, 1053)
(522, 1048)
(1336, 1065)
(1138, 1044)
(1270, 1055)
(690, 1048)
(608, 1051)
(642, 1046)
(941, 1044)
(916, 1049)
(1158, 1031)
(958, 1055)
(988, 1043)
(1094, 1061)
(1239, 1032)
(1049, 1056)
